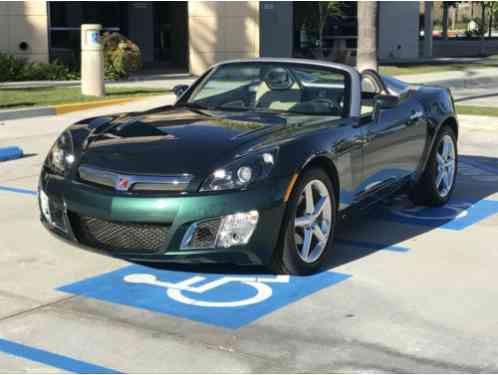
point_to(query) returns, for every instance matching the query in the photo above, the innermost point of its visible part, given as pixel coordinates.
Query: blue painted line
(456, 215)
(373, 245)
(10, 153)
(481, 165)
(18, 190)
(52, 359)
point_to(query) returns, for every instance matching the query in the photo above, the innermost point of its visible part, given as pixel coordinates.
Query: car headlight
(61, 155)
(242, 172)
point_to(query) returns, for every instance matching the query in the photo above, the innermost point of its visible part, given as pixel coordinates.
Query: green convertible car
(253, 164)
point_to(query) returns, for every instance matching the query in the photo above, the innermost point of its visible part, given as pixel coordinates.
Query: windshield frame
(346, 71)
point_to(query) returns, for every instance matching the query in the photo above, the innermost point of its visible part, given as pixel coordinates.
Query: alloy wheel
(313, 221)
(446, 166)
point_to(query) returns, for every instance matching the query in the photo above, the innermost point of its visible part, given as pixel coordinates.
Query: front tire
(437, 183)
(308, 227)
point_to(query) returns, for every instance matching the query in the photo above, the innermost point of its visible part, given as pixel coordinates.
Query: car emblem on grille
(122, 183)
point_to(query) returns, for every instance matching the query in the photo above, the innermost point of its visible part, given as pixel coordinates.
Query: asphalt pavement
(408, 288)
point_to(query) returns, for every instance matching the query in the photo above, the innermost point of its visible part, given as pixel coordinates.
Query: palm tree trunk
(483, 25)
(445, 21)
(490, 23)
(367, 35)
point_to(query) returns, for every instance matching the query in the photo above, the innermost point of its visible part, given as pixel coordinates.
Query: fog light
(237, 229)
(226, 231)
(45, 206)
(201, 235)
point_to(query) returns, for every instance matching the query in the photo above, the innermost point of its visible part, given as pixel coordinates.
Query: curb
(466, 83)
(10, 153)
(74, 107)
(473, 79)
(61, 109)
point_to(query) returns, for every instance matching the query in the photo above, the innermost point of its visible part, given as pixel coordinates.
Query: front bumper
(177, 212)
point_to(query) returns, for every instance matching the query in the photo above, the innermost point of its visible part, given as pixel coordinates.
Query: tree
(492, 10)
(445, 19)
(366, 54)
(482, 26)
(325, 9)
(446, 6)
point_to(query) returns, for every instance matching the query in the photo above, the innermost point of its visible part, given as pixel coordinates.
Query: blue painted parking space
(456, 215)
(228, 301)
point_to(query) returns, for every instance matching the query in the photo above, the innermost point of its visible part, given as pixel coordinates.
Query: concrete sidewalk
(156, 81)
(455, 79)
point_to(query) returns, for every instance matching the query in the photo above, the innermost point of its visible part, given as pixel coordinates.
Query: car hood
(179, 140)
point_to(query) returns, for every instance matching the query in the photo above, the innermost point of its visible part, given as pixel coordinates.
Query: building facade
(190, 36)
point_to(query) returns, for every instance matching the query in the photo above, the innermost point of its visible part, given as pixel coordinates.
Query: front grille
(119, 236)
(134, 183)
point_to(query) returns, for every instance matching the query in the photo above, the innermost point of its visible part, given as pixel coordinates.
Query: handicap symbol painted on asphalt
(455, 215)
(229, 301)
(175, 290)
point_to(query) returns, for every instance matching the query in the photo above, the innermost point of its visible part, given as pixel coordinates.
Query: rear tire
(437, 183)
(307, 232)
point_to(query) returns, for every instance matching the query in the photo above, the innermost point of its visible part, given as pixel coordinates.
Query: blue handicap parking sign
(456, 215)
(229, 301)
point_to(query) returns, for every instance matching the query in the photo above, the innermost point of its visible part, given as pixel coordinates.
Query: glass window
(275, 87)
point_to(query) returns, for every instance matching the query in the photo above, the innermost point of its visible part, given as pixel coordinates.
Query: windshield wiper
(235, 109)
(196, 106)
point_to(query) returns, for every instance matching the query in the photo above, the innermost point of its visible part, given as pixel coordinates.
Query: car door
(395, 137)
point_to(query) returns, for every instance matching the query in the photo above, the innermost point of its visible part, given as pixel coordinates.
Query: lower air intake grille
(118, 236)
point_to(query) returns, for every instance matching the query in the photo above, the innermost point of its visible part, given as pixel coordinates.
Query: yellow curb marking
(73, 107)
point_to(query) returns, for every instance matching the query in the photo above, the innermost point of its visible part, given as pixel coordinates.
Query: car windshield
(276, 87)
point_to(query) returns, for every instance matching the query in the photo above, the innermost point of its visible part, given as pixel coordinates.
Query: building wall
(24, 21)
(276, 28)
(398, 28)
(221, 30)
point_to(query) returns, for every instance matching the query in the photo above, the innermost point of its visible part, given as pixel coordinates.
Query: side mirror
(386, 102)
(179, 90)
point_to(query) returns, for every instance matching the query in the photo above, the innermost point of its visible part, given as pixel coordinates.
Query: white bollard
(92, 61)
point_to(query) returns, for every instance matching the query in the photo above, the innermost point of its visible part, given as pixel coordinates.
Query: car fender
(439, 110)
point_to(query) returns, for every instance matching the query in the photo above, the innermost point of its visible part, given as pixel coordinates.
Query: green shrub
(51, 72)
(121, 56)
(11, 67)
(19, 69)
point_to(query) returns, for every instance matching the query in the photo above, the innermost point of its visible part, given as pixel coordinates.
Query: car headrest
(278, 79)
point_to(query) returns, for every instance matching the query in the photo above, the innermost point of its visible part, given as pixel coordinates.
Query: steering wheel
(331, 104)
